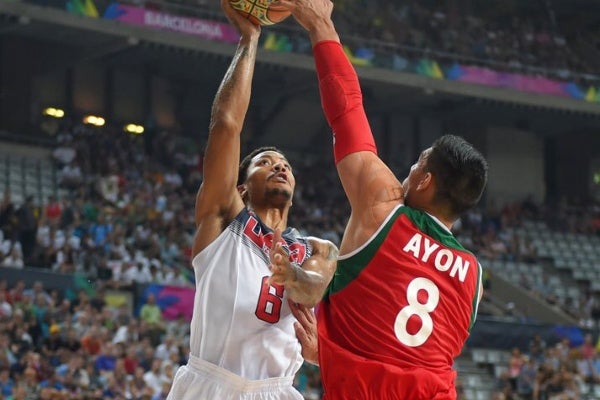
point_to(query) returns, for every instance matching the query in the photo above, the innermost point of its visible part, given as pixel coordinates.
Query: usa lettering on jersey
(264, 240)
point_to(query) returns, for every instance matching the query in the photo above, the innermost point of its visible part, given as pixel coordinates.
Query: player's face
(415, 176)
(270, 174)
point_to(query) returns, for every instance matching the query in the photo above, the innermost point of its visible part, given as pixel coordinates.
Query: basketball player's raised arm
(218, 201)
(371, 187)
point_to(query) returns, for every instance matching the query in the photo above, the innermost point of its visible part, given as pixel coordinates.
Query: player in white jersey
(248, 264)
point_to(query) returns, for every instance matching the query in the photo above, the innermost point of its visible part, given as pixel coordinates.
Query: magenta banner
(174, 301)
(160, 20)
(524, 83)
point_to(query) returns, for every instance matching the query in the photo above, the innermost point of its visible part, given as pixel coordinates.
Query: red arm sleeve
(342, 101)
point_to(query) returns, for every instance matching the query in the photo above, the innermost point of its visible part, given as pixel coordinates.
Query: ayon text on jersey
(444, 259)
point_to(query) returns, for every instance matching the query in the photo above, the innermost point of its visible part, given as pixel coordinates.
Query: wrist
(323, 30)
(296, 269)
(250, 37)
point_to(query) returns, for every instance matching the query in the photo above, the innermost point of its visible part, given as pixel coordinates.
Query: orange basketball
(261, 12)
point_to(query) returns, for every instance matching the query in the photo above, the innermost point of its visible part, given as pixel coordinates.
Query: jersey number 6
(418, 309)
(268, 308)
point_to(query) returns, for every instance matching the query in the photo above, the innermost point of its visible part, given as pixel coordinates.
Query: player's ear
(426, 182)
(243, 191)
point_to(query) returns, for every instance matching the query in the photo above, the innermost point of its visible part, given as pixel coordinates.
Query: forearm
(233, 97)
(342, 100)
(323, 30)
(308, 286)
(310, 280)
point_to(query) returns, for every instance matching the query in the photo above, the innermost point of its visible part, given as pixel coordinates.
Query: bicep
(218, 191)
(217, 200)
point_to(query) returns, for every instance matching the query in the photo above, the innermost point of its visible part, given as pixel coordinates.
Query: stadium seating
(28, 174)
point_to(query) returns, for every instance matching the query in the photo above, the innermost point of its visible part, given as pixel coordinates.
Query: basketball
(261, 12)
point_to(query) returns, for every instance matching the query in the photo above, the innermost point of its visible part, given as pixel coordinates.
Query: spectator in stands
(14, 258)
(515, 364)
(30, 382)
(53, 345)
(587, 348)
(72, 373)
(6, 382)
(64, 153)
(70, 176)
(52, 211)
(9, 221)
(537, 347)
(166, 348)
(27, 228)
(526, 378)
(90, 342)
(106, 360)
(152, 377)
(151, 315)
(38, 291)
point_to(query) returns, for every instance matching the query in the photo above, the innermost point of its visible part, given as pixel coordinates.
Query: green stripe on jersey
(349, 268)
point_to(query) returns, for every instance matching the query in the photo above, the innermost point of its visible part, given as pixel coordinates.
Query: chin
(280, 194)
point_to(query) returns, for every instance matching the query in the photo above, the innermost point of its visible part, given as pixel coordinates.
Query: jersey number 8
(418, 309)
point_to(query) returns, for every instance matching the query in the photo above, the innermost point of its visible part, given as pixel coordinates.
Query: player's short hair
(245, 163)
(460, 173)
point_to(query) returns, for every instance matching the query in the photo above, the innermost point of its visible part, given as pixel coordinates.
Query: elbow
(225, 122)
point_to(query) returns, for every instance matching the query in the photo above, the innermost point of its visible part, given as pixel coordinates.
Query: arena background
(158, 65)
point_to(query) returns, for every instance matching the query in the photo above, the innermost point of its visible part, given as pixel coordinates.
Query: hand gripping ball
(261, 12)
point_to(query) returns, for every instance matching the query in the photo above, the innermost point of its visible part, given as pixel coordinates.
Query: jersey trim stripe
(351, 265)
(476, 298)
(382, 226)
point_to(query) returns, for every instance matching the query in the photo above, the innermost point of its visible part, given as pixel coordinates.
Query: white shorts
(201, 380)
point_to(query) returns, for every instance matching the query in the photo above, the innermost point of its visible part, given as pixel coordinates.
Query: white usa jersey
(240, 323)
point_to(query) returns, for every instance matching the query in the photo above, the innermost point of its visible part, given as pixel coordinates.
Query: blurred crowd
(493, 236)
(123, 217)
(502, 35)
(557, 371)
(55, 347)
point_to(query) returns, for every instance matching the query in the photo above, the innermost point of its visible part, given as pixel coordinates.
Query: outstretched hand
(306, 331)
(282, 270)
(243, 25)
(308, 13)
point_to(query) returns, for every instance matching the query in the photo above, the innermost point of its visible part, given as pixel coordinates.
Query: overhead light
(54, 112)
(93, 120)
(134, 129)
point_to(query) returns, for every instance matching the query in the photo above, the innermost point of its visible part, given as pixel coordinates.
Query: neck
(274, 218)
(444, 220)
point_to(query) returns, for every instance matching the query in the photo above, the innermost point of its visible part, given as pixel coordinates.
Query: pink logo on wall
(485, 76)
(160, 20)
